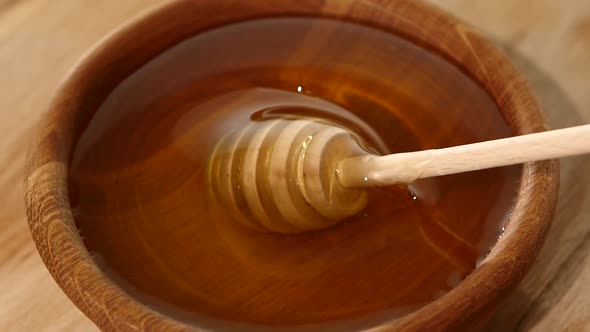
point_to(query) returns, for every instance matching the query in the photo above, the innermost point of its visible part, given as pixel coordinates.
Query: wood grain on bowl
(35, 19)
(51, 220)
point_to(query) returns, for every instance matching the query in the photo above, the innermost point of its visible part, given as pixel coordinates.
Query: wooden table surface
(549, 40)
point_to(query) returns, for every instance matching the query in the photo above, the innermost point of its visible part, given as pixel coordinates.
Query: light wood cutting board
(549, 40)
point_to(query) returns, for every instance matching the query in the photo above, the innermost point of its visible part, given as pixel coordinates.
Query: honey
(146, 211)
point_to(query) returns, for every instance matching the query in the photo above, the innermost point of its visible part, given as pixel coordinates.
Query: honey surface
(144, 208)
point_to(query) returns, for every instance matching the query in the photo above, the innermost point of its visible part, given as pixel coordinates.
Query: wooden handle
(368, 171)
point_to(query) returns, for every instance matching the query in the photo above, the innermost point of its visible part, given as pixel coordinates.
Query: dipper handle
(371, 170)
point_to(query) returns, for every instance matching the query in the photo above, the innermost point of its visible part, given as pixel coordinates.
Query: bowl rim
(46, 191)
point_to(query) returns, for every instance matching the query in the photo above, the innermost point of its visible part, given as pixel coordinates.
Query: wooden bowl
(466, 307)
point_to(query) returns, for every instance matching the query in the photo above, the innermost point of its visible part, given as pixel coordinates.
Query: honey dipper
(294, 175)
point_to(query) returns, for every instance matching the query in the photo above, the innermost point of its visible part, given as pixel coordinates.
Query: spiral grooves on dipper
(279, 175)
